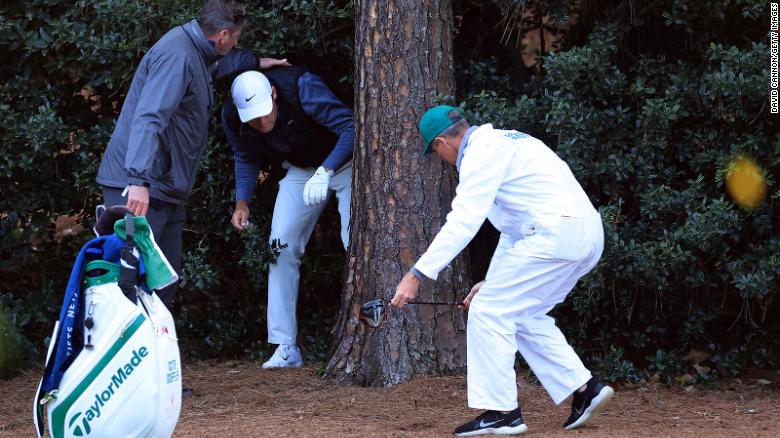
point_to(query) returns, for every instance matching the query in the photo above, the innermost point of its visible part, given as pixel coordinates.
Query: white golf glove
(316, 189)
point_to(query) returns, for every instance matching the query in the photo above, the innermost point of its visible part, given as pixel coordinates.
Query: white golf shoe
(285, 356)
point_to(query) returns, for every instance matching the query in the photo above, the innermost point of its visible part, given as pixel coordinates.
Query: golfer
(289, 118)
(152, 158)
(550, 237)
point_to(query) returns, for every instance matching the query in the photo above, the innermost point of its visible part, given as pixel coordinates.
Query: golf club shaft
(434, 303)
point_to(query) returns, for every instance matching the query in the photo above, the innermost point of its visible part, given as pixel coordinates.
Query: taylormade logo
(94, 411)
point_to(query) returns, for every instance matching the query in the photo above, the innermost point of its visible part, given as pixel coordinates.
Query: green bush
(613, 367)
(11, 346)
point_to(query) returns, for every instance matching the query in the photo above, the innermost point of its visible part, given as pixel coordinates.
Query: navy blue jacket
(329, 126)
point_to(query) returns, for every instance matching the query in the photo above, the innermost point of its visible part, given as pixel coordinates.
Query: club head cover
(373, 313)
(107, 217)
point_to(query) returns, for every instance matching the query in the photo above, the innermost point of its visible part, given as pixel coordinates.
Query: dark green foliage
(667, 365)
(613, 367)
(11, 345)
(647, 105)
(258, 253)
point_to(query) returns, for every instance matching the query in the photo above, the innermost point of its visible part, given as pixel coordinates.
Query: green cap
(432, 123)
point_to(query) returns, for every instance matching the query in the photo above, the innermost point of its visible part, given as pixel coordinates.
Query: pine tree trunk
(403, 60)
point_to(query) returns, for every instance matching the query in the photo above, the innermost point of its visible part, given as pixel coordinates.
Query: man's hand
(470, 296)
(240, 215)
(316, 189)
(266, 63)
(138, 200)
(406, 290)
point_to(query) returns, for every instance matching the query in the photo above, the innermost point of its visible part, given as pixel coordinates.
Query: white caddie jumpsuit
(550, 237)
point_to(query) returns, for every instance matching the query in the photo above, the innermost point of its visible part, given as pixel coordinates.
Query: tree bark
(403, 61)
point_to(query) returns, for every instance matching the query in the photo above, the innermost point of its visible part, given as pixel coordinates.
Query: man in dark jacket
(152, 158)
(289, 117)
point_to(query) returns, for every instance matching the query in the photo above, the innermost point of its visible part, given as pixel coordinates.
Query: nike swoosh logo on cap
(250, 97)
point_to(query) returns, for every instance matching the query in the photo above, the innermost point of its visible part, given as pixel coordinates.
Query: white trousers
(292, 223)
(509, 314)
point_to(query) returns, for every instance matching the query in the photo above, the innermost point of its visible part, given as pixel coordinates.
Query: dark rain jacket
(160, 135)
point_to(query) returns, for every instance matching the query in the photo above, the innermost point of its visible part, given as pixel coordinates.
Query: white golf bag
(126, 379)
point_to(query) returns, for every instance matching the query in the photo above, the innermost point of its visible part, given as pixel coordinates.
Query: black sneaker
(586, 404)
(494, 422)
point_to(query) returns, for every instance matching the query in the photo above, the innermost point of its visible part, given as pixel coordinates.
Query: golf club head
(373, 313)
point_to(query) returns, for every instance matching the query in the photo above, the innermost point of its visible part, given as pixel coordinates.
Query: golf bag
(113, 366)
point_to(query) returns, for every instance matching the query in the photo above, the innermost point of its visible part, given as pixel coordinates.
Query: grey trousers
(167, 222)
(293, 223)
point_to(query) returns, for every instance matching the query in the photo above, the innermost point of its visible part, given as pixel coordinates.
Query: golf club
(373, 312)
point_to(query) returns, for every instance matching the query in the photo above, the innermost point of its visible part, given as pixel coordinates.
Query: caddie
(289, 117)
(551, 235)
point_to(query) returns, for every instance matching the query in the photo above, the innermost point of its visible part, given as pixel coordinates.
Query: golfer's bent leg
(490, 355)
(292, 224)
(342, 184)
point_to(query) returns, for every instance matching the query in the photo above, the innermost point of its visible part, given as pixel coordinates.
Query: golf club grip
(434, 303)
